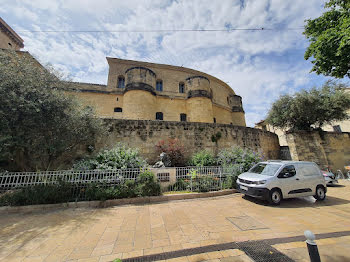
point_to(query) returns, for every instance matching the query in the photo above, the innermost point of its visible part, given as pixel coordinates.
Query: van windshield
(265, 169)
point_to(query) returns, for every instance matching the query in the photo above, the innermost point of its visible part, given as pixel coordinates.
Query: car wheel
(320, 193)
(275, 197)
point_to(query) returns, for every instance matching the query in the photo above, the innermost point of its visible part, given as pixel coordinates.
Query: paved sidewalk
(141, 230)
(331, 250)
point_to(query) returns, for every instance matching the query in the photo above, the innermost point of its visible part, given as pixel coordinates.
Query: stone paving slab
(103, 234)
(331, 249)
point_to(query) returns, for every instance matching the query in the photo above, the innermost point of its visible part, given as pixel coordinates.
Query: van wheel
(320, 193)
(275, 197)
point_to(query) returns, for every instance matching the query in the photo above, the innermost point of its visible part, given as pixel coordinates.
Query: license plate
(244, 188)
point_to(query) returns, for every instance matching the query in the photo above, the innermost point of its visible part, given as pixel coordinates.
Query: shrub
(180, 185)
(235, 161)
(244, 158)
(174, 149)
(101, 192)
(120, 157)
(205, 184)
(203, 158)
(39, 194)
(147, 185)
(62, 192)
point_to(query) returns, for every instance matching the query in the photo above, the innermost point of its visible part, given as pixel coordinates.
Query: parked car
(275, 180)
(329, 177)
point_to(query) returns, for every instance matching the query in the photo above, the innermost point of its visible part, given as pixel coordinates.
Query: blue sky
(258, 65)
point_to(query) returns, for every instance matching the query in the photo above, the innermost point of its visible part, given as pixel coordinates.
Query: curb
(115, 202)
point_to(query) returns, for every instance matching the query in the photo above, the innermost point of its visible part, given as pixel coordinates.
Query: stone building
(9, 39)
(147, 91)
(337, 127)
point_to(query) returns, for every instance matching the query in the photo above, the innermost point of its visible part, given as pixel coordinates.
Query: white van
(275, 180)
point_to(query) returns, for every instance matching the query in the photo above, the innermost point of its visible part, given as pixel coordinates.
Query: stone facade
(140, 90)
(339, 126)
(326, 148)
(147, 91)
(194, 136)
(9, 39)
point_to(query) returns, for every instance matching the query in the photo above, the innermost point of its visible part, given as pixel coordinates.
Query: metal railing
(202, 179)
(13, 180)
(193, 179)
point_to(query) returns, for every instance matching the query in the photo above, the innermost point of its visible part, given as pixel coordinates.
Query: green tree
(39, 122)
(311, 109)
(329, 37)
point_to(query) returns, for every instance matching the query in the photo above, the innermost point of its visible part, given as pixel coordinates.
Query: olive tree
(306, 110)
(39, 122)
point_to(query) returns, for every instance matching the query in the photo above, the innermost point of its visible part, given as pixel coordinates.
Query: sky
(258, 65)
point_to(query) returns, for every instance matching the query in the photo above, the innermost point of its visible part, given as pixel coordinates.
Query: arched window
(159, 116)
(159, 85)
(183, 117)
(214, 120)
(118, 109)
(121, 82)
(181, 88)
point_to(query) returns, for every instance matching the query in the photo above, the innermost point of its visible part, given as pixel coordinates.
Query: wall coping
(316, 132)
(115, 202)
(187, 124)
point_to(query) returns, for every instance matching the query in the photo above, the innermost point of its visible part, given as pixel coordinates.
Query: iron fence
(191, 179)
(202, 179)
(13, 180)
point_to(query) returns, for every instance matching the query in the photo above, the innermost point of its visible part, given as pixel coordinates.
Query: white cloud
(259, 65)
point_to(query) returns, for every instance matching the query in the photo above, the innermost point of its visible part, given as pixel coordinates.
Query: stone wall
(9, 38)
(195, 136)
(325, 148)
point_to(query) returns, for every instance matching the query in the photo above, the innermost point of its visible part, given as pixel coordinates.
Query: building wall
(344, 125)
(139, 105)
(204, 99)
(9, 39)
(279, 132)
(195, 136)
(326, 148)
(5, 42)
(96, 99)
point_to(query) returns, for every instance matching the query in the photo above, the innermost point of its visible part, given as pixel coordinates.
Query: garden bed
(116, 202)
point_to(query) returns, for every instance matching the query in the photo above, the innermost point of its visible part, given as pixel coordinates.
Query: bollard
(312, 246)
